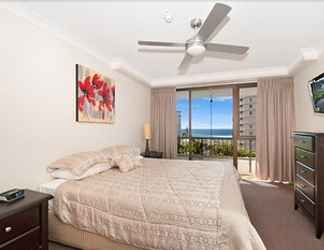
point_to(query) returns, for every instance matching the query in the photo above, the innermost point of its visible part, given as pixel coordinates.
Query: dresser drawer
(305, 172)
(28, 241)
(305, 142)
(306, 188)
(305, 157)
(305, 203)
(18, 224)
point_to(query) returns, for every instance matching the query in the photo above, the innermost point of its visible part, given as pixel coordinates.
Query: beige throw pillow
(115, 152)
(127, 162)
(79, 163)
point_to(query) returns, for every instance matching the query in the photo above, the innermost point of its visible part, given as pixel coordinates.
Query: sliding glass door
(247, 129)
(205, 123)
(217, 123)
(211, 123)
(183, 131)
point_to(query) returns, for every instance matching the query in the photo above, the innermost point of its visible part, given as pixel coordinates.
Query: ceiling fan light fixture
(200, 41)
(196, 49)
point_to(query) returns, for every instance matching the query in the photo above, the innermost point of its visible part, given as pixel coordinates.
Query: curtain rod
(245, 84)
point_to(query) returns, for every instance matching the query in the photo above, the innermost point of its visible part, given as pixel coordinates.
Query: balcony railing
(216, 148)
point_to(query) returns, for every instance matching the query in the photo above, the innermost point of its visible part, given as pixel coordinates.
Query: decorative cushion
(115, 152)
(126, 162)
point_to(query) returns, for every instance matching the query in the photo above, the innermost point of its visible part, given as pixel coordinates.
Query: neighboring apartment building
(178, 123)
(247, 120)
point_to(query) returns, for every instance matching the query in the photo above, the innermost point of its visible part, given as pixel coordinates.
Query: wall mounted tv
(317, 93)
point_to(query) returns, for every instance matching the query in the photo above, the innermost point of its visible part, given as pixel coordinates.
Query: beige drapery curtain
(163, 120)
(275, 120)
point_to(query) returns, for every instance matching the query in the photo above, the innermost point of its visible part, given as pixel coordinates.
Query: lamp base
(147, 148)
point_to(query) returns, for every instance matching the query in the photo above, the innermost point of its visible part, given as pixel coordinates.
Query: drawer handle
(302, 200)
(302, 185)
(302, 171)
(8, 229)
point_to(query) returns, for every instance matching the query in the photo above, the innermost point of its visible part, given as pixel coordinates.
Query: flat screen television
(317, 93)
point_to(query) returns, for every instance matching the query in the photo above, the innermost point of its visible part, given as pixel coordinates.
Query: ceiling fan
(198, 44)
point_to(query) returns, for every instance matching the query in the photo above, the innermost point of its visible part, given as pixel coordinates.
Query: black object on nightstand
(24, 223)
(152, 154)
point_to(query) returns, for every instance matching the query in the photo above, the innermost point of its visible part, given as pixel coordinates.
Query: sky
(221, 112)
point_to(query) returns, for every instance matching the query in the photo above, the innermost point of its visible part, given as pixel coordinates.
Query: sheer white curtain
(275, 120)
(163, 119)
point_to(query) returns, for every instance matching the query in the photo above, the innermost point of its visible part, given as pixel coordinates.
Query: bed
(166, 204)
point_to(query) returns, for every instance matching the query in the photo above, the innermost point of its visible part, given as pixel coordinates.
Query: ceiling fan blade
(167, 44)
(215, 17)
(185, 62)
(226, 48)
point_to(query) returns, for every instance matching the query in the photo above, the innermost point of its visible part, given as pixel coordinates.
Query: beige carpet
(54, 246)
(271, 210)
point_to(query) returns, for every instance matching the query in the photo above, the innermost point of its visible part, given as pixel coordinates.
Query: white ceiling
(275, 32)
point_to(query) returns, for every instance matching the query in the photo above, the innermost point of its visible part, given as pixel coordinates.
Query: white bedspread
(167, 204)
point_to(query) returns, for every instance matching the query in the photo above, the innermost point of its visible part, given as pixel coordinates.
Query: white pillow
(68, 175)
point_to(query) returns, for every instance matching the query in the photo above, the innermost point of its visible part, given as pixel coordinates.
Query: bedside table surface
(31, 199)
(152, 154)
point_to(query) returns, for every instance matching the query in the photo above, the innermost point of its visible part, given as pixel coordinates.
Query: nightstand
(24, 223)
(152, 154)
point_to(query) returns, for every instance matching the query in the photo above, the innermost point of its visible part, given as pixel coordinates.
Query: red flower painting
(95, 96)
(97, 82)
(106, 94)
(87, 93)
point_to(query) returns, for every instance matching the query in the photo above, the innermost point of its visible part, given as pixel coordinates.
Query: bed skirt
(71, 236)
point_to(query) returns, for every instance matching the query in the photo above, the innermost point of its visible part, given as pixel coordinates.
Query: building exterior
(248, 121)
(178, 123)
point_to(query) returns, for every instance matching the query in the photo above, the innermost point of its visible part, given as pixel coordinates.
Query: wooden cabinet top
(31, 199)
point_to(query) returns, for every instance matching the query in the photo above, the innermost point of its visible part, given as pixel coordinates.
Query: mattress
(50, 188)
(167, 204)
(71, 236)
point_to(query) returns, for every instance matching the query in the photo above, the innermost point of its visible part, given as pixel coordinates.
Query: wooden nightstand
(152, 154)
(24, 223)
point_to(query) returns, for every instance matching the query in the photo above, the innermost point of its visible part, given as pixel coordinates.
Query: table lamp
(147, 136)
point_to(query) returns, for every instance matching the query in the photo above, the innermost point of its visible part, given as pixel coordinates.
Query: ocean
(213, 133)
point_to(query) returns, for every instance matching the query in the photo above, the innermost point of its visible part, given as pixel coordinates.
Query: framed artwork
(95, 96)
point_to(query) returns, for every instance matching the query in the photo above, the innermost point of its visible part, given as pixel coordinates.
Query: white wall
(306, 118)
(37, 103)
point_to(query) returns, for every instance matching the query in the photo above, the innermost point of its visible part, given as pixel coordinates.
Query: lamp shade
(147, 131)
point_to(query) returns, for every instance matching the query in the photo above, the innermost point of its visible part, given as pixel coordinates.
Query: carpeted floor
(54, 246)
(271, 210)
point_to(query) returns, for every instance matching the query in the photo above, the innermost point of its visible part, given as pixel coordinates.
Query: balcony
(215, 148)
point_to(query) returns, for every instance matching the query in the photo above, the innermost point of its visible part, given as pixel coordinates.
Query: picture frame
(95, 96)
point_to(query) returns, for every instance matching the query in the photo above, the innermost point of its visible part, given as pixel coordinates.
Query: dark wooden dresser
(309, 176)
(24, 223)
